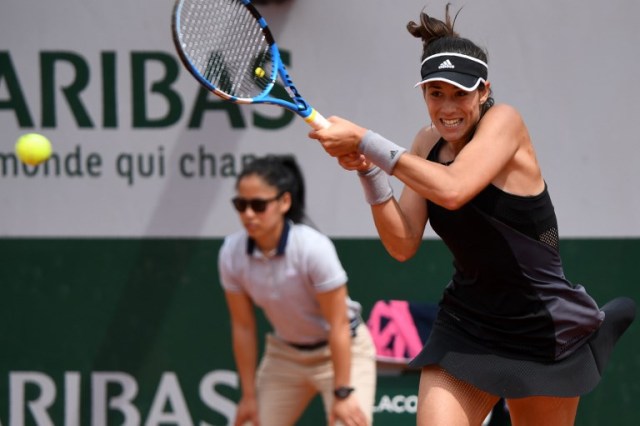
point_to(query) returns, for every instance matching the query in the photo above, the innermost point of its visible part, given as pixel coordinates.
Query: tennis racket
(229, 49)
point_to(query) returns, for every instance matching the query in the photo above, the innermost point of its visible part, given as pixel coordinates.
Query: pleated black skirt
(499, 375)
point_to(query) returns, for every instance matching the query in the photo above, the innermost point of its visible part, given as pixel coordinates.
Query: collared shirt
(285, 285)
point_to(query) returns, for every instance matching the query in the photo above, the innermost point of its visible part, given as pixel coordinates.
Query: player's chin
(450, 133)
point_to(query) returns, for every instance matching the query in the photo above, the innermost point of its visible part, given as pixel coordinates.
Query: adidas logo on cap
(446, 64)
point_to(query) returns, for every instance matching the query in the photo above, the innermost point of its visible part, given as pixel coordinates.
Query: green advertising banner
(124, 331)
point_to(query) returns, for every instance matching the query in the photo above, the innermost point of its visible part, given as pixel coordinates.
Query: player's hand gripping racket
(228, 48)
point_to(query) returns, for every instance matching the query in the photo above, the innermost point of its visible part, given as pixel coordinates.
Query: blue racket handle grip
(317, 120)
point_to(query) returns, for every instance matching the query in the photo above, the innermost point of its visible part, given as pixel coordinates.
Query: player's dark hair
(283, 173)
(439, 36)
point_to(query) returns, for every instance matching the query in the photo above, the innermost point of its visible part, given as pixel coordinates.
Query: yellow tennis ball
(259, 72)
(33, 148)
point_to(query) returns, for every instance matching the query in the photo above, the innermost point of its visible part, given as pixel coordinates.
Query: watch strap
(342, 392)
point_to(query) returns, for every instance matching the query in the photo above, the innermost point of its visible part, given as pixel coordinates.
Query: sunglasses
(258, 205)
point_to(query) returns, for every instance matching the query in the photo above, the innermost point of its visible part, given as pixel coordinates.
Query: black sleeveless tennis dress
(509, 322)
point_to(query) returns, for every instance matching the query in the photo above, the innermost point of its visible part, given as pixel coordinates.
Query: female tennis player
(510, 324)
(319, 343)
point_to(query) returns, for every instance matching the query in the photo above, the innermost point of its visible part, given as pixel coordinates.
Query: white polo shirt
(285, 285)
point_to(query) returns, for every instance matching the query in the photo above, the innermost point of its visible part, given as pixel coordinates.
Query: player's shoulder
(424, 141)
(504, 112)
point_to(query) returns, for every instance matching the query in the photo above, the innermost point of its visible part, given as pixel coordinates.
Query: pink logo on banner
(394, 332)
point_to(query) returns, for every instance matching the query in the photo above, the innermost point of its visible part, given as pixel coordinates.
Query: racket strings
(227, 46)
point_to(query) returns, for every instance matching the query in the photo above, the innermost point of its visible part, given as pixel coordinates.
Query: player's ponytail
(439, 36)
(430, 29)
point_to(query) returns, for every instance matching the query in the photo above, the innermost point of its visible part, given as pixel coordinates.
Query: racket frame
(299, 105)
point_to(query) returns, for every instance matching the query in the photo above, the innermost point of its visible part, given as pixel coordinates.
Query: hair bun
(430, 28)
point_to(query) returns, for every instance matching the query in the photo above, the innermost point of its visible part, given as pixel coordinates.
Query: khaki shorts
(289, 378)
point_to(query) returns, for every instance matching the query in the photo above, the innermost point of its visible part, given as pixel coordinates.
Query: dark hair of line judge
(283, 173)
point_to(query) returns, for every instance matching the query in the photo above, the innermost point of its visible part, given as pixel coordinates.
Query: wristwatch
(342, 392)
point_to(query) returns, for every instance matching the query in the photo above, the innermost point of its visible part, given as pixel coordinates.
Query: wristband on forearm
(375, 184)
(380, 151)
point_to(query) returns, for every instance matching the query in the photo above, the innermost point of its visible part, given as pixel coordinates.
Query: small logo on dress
(446, 64)
(393, 153)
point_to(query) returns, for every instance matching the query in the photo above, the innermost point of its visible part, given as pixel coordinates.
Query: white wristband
(380, 151)
(375, 184)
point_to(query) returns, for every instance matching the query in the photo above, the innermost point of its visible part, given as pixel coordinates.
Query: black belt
(317, 345)
(308, 346)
